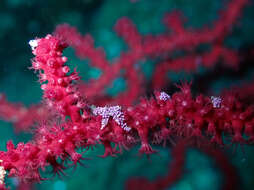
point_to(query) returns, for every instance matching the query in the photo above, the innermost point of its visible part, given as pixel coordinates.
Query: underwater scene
(127, 94)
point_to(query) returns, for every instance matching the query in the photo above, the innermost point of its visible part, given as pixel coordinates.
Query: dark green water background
(22, 20)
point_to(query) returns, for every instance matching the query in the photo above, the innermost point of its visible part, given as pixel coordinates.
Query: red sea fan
(119, 123)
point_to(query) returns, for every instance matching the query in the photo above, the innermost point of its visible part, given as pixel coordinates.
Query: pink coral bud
(76, 157)
(65, 69)
(51, 63)
(36, 65)
(171, 113)
(184, 103)
(68, 89)
(71, 99)
(48, 36)
(204, 111)
(81, 104)
(199, 99)
(61, 108)
(211, 128)
(85, 115)
(72, 77)
(43, 77)
(146, 149)
(64, 59)
(249, 129)
(10, 145)
(60, 81)
(44, 86)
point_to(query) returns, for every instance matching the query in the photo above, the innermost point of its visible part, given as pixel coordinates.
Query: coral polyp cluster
(179, 115)
(78, 116)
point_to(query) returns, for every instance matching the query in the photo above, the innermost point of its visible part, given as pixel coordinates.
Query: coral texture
(75, 115)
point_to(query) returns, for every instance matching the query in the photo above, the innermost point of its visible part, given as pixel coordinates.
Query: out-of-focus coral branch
(22, 117)
(162, 45)
(176, 167)
(153, 120)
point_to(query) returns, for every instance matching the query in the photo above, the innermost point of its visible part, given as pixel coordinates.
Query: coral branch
(188, 117)
(176, 167)
(119, 124)
(22, 117)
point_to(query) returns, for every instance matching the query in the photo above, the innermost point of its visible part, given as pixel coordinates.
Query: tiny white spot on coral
(33, 44)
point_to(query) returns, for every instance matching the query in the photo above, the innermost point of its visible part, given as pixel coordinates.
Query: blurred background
(22, 20)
